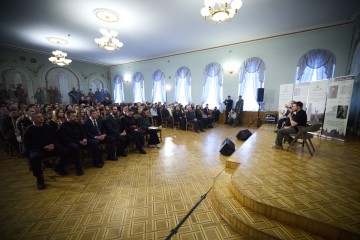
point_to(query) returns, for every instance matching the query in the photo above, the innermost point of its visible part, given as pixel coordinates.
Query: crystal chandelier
(108, 40)
(59, 58)
(220, 10)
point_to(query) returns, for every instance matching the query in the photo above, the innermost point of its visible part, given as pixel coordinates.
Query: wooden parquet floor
(138, 197)
(145, 196)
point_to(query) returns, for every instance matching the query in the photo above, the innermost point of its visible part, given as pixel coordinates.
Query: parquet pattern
(255, 225)
(138, 197)
(319, 193)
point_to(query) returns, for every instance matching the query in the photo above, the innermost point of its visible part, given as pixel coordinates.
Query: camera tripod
(257, 120)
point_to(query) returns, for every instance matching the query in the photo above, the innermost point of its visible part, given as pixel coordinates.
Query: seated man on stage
(297, 118)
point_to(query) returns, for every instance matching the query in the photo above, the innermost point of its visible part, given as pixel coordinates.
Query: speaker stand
(257, 120)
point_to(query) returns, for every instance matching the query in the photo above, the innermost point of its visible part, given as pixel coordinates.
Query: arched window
(251, 77)
(315, 65)
(158, 90)
(212, 85)
(118, 89)
(138, 87)
(183, 86)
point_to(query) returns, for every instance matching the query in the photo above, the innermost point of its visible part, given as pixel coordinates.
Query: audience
(64, 131)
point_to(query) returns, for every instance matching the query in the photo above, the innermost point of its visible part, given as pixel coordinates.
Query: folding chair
(305, 135)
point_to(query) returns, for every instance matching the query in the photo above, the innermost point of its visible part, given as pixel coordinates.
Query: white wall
(280, 54)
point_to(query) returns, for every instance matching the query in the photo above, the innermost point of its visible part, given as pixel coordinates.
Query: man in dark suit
(239, 110)
(40, 141)
(113, 128)
(133, 130)
(72, 137)
(93, 130)
(228, 103)
(190, 117)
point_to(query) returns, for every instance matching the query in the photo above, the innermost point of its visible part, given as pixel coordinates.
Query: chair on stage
(305, 134)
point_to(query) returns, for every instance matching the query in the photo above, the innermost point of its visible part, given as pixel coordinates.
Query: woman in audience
(144, 123)
(57, 119)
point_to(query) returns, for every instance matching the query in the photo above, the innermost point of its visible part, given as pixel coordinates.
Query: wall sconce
(231, 67)
(231, 71)
(168, 87)
(127, 78)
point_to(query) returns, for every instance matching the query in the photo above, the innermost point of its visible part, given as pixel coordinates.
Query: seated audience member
(144, 123)
(165, 115)
(106, 102)
(191, 118)
(154, 114)
(113, 128)
(199, 116)
(206, 110)
(178, 115)
(23, 122)
(285, 121)
(133, 131)
(72, 137)
(8, 129)
(297, 119)
(232, 118)
(216, 114)
(57, 119)
(95, 136)
(40, 142)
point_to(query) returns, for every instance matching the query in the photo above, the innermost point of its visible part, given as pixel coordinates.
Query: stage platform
(277, 194)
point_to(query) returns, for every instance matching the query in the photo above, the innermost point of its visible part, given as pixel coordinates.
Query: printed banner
(337, 107)
(301, 92)
(316, 100)
(285, 96)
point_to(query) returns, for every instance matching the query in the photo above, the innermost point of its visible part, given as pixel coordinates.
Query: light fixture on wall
(59, 57)
(231, 67)
(220, 10)
(127, 78)
(108, 39)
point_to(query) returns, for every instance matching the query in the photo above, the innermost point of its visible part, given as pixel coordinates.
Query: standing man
(239, 110)
(297, 118)
(228, 103)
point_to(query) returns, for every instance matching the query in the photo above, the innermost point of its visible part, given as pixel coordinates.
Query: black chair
(305, 134)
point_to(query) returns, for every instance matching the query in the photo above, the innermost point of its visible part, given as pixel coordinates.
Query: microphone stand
(257, 119)
(174, 230)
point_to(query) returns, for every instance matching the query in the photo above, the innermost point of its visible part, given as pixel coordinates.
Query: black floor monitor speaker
(227, 147)
(243, 135)
(260, 95)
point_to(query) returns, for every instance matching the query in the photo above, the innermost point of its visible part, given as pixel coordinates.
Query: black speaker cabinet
(260, 95)
(243, 135)
(227, 147)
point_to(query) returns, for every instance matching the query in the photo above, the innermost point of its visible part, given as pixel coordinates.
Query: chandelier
(220, 10)
(59, 58)
(108, 40)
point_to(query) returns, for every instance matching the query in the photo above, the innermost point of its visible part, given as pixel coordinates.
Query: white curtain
(138, 87)
(251, 77)
(315, 65)
(119, 89)
(213, 85)
(183, 86)
(158, 90)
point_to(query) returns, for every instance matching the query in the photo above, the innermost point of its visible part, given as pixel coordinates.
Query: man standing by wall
(239, 110)
(228, 103)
